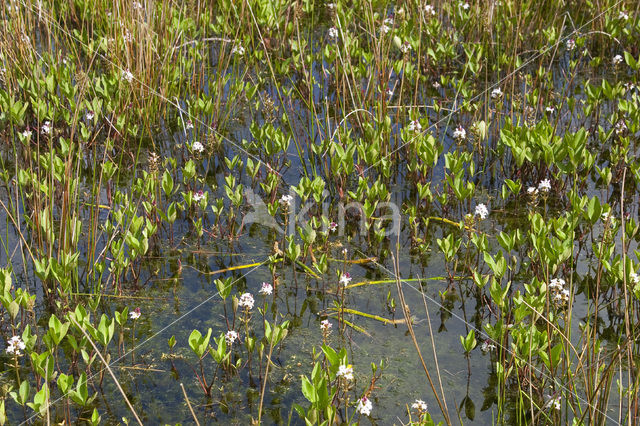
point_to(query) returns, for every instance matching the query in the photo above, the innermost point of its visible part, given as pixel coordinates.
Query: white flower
(12, 350)
(550, 109)
(26, 134)
(333, 33)
(331, 6)
(556, 284)
(230, 337)
(246, 301)
(136, 5)
(384, 29)
(405, 47)
(414, 126)
(419, 405)
(544, 185)
(197, 147)
(487, 346)
(17, 342)
(496, 93)
(89, 116)
(623, 15)
(635, 278)
(325, 325)
(429, 10)
(621, 127)
(345, 371)
(389, 21)
(606, 216)
(571, 44)
(135, 314)
(482, 211)
(46, 127)
(126, 74)
(344, 251)
(459, 134)
(345, 279)
(189, 125)
(552, 402)
(266, 289)
(198, 196)
(465, 6)
(364, 406)
(333, 226)
(286, 200)
(237, 50)
(532, 190)
(617, 59)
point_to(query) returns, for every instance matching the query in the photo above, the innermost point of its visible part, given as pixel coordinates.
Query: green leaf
(308, 390)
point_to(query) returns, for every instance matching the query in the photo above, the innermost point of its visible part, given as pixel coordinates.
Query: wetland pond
(298, 212)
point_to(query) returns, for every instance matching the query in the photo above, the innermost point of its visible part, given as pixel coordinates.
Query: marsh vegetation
(304, 212)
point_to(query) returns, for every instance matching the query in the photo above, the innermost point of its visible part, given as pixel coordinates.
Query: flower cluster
(198, 196)
(544, 185)
(286, 200)
(496, 93)
(15, 345)
(459, 134)
(559, 295)
(617, 60)
(487, 346)
(237, 50)
(127, 76)
(386, 25)
(266, 289)
(333, 33)
(482, 211)
(345, 371)
(246, 301)
(197, 147)
(46, 127)
(414, 126)
(405, 47)
(571, 44)
(325, 326)
(429, 10)
(552, 402)
(231, 337)
(364, 406)
(345, 279)
(135, 314)
(420, 406)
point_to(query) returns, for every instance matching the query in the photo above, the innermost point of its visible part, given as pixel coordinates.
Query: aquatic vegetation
(232, 212)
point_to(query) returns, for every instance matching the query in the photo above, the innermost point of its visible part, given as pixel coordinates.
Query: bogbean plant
(132, 126)
(52, 367)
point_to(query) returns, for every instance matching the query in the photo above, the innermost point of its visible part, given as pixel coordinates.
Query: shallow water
(177, 294)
